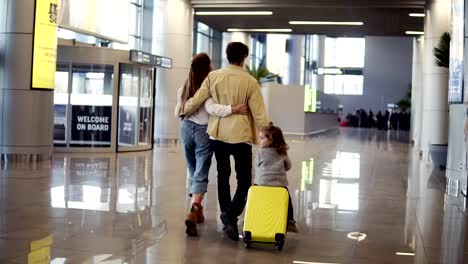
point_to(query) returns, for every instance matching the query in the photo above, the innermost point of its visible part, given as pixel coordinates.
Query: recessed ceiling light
(404, 254)
(326, 23)
(259, 30)
(417, 15)
(414, 32)
(233, 13)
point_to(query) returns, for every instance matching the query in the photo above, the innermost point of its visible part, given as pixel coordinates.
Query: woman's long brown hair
(199, 70)
(275, 135)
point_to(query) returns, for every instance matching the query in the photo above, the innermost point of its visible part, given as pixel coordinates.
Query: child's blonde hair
(275, 135)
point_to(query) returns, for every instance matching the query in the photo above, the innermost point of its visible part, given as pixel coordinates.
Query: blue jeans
(198, 153)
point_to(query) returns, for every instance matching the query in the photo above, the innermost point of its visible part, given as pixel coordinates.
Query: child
(272, 164)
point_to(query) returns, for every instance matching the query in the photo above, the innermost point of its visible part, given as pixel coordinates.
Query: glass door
(136, 92)
(146, 107)
(128, 105)
(61, 99)
(91, 105)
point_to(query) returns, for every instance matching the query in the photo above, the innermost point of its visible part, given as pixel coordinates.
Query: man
(234, 134)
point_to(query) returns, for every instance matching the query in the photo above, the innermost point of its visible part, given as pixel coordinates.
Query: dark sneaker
(230, 227)
(292, 227)
(225, 219)
(232, 232)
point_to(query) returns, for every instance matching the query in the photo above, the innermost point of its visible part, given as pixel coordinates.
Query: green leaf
(262, 74)
(442, 51)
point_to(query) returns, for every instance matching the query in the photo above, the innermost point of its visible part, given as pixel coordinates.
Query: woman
(195, 140)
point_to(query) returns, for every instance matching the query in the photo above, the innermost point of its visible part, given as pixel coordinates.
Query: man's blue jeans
(198, 153)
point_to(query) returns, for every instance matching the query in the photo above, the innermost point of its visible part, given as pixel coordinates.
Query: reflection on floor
(360, 196)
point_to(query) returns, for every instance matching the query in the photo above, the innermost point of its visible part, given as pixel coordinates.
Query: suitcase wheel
(279, 238)
(247, 239)
(280, 246)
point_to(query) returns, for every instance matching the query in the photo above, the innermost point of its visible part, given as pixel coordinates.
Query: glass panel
(60, 104)
(87, 186)
(91, 101)
(203, 43)
(345, 52)
(344, 84)
(456, 52)
(203, 28)
(126, 195)
(135, 15)
(146, 106)
(128, 105)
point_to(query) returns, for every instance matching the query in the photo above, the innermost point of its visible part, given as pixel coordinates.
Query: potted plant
(262, 74)
(442, 51)
(405, 102)
(438, 152)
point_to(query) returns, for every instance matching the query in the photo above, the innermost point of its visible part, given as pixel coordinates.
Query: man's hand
(240, 109)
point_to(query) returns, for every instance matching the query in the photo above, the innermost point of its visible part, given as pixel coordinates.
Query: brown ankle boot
(198, 210)
(191, 223)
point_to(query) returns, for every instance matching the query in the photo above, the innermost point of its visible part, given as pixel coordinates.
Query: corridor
(360, 196)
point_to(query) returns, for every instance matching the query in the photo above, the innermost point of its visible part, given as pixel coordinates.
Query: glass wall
(258, 50)
(322, 82)
(134, 28)
(276, 53)
(309, 78)
(344, 52)
(209, 41)
(344, 84)
(456, 89)
(344, 63)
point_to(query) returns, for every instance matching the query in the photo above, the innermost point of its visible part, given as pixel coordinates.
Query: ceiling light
(308, 262)
(404, 254)
(233, 13)
(357, 236)
(326, 23)
(259, 30)
(323, 71)
(414, 32)
(417, 15)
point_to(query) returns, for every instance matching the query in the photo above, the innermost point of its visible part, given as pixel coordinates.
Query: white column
(234, 37)
(276, 57)
(172, 31)
(416, 90)
(435, 105)
(294, 55)
(321, 62)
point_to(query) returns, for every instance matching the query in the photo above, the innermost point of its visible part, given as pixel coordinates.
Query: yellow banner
(40, 256)
(40, 250)
(45, 44)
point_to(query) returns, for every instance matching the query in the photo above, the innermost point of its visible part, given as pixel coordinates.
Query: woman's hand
(240, 109)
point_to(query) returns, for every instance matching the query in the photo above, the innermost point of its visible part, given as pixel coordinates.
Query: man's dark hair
(236, 52)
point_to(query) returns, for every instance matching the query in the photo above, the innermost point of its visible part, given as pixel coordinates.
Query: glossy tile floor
(360, 196)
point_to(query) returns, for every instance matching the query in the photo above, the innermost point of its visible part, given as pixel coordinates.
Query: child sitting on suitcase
(272, 164)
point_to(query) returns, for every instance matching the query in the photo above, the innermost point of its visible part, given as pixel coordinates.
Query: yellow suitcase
(265, 220)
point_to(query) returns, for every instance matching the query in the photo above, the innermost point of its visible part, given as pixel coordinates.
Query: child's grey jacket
(271, 168)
